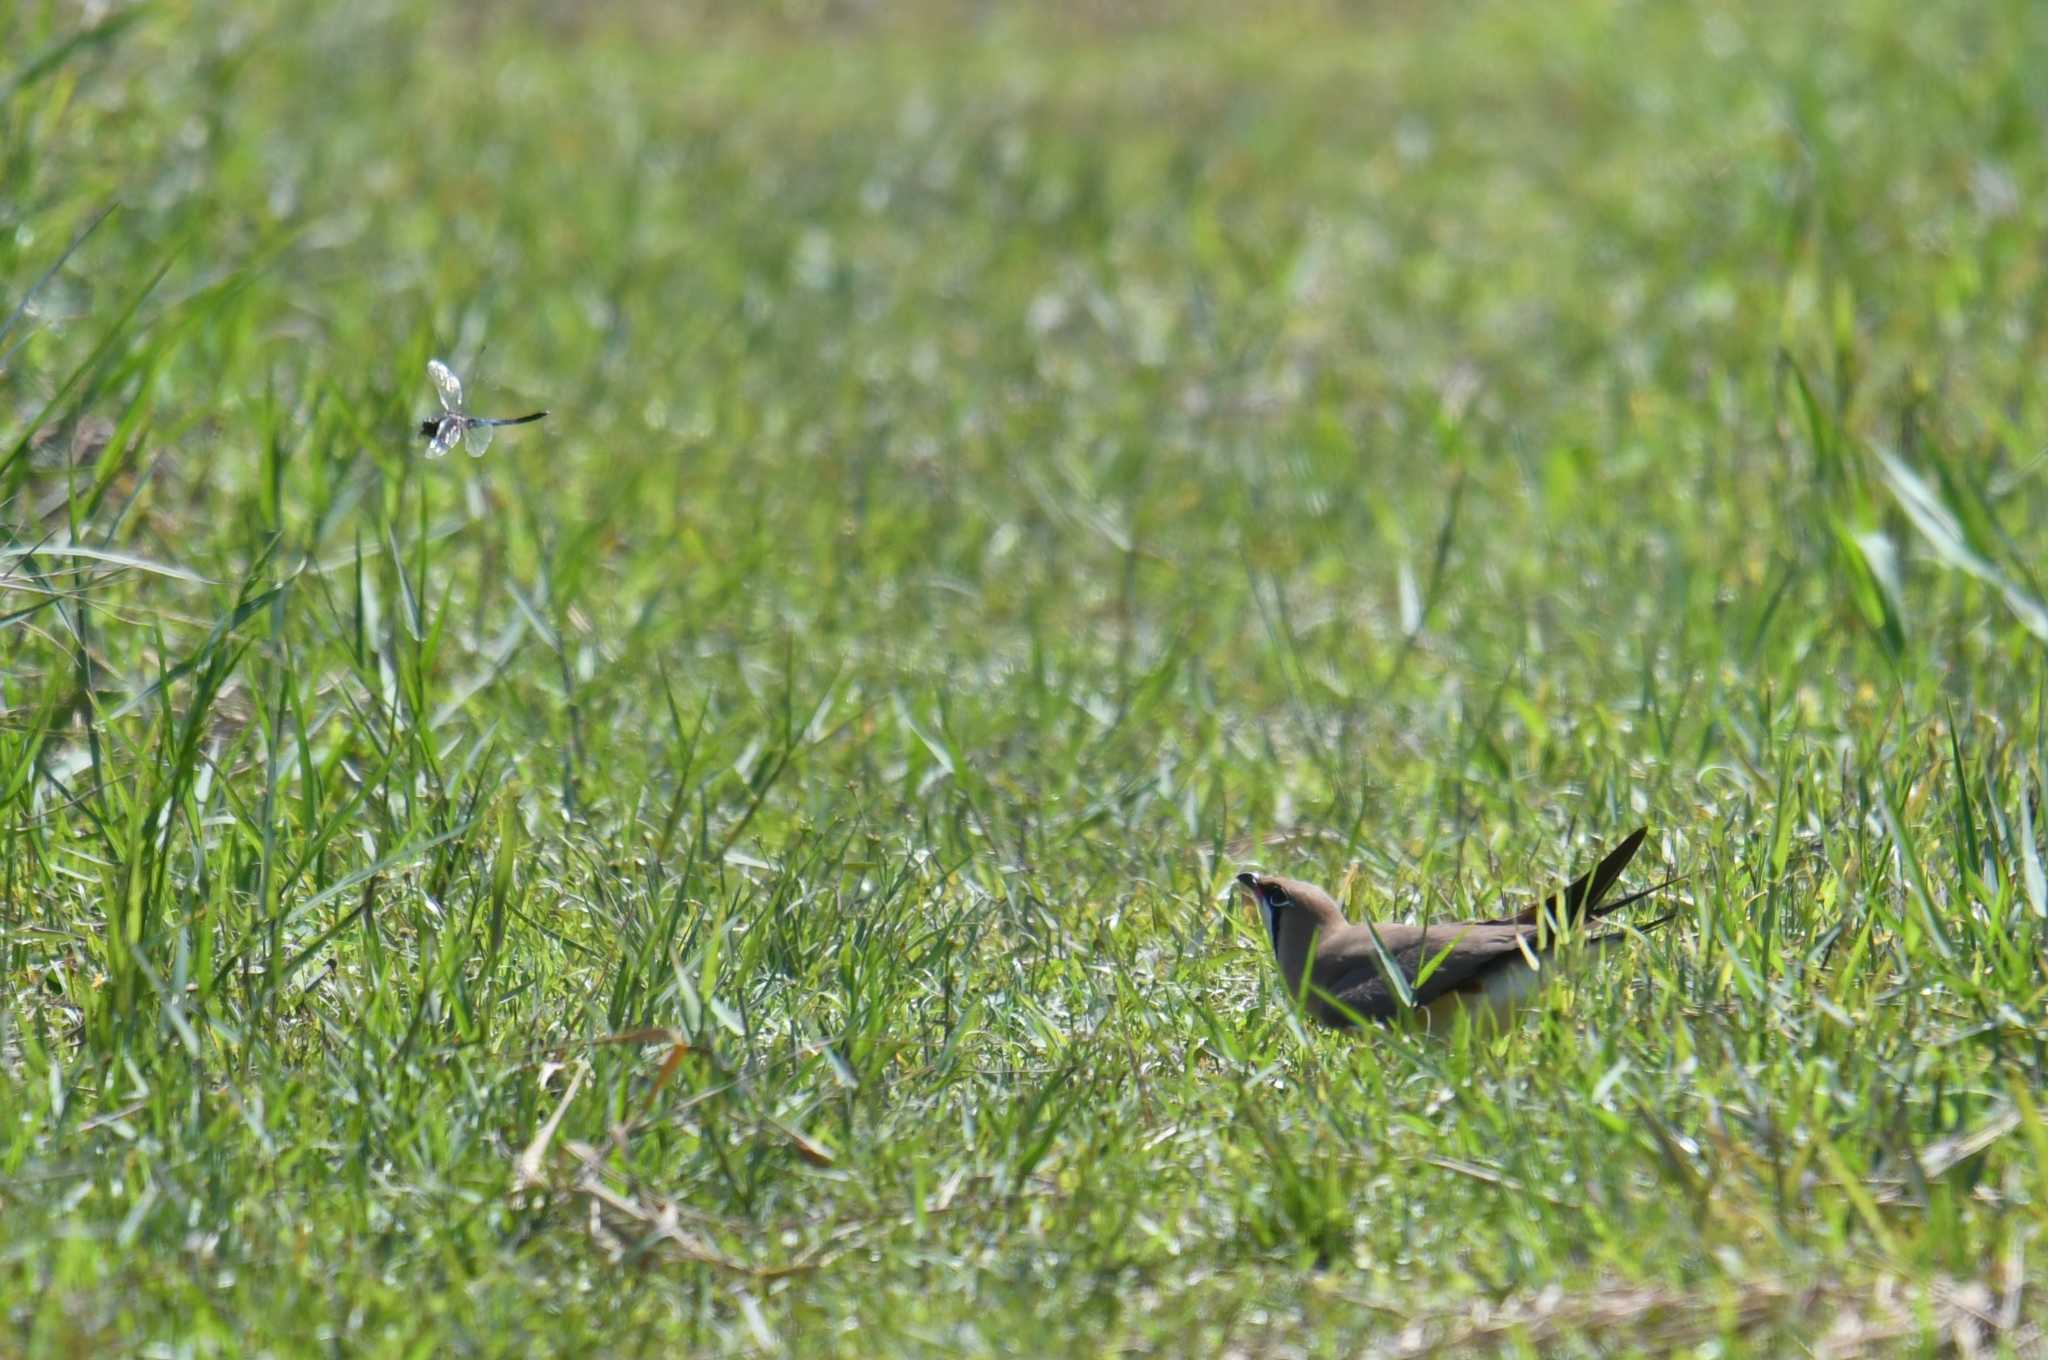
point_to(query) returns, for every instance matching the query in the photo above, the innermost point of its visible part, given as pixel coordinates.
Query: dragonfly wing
(476, 434)
(447, 384)
(445, 435)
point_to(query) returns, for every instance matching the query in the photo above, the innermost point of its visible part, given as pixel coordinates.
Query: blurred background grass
(740, 867)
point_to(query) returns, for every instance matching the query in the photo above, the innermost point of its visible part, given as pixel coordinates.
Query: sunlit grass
(742, 866)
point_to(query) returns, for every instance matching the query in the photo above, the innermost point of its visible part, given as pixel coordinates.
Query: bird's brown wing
(1349, 970)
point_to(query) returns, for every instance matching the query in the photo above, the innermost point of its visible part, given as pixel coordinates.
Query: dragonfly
(455, 423)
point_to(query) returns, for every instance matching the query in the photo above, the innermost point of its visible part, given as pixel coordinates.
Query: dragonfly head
(428, 427)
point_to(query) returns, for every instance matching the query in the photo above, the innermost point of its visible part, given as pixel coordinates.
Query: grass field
(742, 867)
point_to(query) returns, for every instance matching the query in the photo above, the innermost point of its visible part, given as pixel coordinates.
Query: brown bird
(1486, 966)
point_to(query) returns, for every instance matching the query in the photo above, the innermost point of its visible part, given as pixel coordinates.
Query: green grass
(742, 868)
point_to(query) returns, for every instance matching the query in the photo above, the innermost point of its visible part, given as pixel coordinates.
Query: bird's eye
(1276, 896)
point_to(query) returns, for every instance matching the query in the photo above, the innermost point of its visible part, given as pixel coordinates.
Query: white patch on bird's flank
(1505, 986)
(1501, 992)
(1497, 997)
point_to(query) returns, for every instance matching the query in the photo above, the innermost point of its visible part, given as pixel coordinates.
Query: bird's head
(1280, 899)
